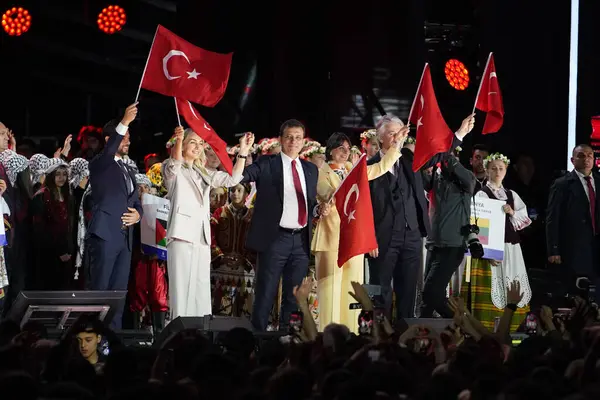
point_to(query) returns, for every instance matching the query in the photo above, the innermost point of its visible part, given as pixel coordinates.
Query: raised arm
(115, 136)
(466, 179)
(220, 179)
(374, 171)
(465, 127)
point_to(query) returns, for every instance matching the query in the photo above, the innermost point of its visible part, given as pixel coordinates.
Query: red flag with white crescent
(205, 131)
(489, 98)
(353, 203)
(179, 69)
(433, 134)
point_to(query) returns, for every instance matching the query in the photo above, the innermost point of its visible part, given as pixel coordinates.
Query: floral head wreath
(311, 150)
(366, 136)
(410, 140)
(495, 157)
(268, 145)
(171, 142)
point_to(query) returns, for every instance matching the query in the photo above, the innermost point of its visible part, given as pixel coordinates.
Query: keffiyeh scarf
(129, 163)
(79, 171)
(142, 179)
(37, 166)
(13, 164)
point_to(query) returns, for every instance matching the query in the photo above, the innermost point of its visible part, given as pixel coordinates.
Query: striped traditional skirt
(482, 306)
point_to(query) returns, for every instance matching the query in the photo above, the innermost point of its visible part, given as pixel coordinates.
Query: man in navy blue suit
(115, 209)
(281, 228)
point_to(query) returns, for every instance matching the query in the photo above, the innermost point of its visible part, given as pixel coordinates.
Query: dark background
(334, 65)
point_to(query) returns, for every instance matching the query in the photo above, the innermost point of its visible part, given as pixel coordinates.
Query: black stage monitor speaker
(207, 324)
(59, 309)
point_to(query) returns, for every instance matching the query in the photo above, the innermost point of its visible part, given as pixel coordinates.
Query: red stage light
(16, 21)
(457, 74)
(111, 19)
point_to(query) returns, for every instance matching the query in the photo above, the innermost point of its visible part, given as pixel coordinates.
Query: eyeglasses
(293, 138)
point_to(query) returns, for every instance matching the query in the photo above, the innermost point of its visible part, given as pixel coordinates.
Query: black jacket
(381, 197)
(569, 232)
(453, 187)
(267, 172)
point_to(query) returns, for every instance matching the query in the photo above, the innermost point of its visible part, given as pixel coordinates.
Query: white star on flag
(193, 74)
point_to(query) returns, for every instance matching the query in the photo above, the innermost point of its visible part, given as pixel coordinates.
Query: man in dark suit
(572, 220)
(281, 228)
(115, 209)
(401, 221)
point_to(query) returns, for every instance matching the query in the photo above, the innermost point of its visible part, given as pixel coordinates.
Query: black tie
(126, 175)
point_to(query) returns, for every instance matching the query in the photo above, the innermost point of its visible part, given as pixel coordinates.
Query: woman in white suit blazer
(188, 229)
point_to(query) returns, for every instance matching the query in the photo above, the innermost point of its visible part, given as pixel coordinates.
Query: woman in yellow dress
(333, 283)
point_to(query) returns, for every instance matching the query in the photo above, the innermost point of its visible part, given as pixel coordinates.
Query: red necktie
(299, 195)
(592, 193)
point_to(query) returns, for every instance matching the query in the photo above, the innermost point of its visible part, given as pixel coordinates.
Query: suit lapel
(277, 171)
(577, 186)
(307, 180)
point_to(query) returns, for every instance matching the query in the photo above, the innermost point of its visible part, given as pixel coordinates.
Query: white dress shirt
(584, 183)
(122, 130)
(289, 217)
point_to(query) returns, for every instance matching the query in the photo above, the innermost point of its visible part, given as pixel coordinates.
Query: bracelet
(512, 307)
(241, 156)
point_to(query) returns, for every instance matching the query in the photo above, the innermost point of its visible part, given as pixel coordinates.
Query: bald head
(3, 137)
(583, 159)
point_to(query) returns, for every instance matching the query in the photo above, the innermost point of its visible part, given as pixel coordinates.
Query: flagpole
(341, 183)
(415, 99)
(137, 96)
(481, 81)
(177, 112)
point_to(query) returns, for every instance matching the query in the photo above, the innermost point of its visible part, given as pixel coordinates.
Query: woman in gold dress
(333, 283)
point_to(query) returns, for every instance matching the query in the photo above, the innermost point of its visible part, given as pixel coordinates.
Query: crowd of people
(250, 242)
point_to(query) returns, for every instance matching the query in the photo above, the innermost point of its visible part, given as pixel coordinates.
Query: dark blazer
(267, 172)
(569, 232)
(381, 196)
(110, 197)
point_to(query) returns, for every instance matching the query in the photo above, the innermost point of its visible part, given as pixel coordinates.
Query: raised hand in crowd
(64, 151)
(130, 114)
(309, 328)
(514, 294)
(466, 126)
(246, 143)
(12, 142)
(361, 295)
(400, 137)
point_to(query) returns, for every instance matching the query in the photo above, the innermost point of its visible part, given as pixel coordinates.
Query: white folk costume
(489, 283)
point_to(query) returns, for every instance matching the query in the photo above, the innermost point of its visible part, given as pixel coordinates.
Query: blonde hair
(200, 161)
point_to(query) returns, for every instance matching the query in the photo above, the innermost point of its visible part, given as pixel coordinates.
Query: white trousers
(189, 279)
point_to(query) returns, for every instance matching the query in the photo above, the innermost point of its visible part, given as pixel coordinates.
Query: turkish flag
(177, 68)
(489, 98)
(433, 135)
(204, 130)
(353, 202)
